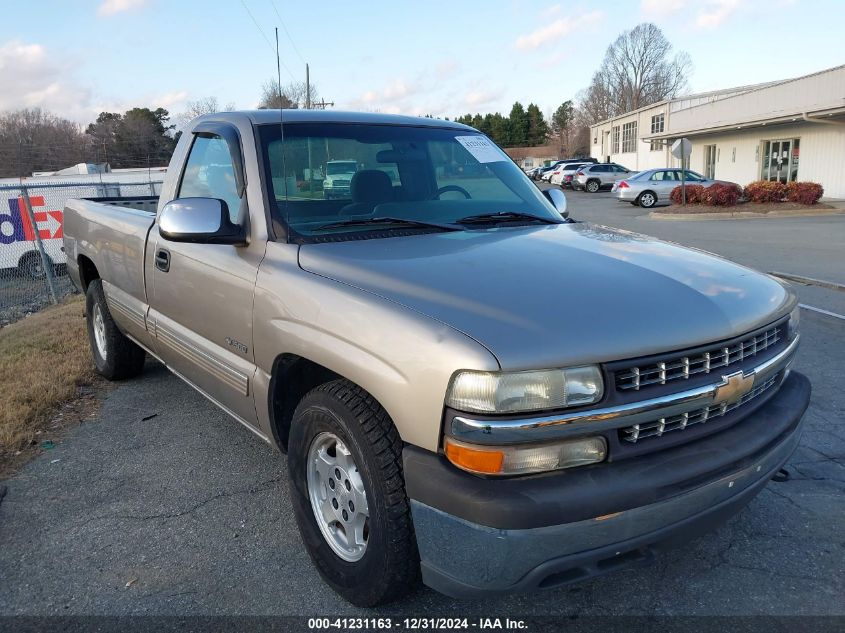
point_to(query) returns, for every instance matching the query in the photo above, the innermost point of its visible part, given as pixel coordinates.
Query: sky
(76, 58)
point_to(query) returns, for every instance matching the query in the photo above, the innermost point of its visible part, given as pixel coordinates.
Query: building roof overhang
(834, 115)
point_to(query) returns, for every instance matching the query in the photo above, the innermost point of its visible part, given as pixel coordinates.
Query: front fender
(403, 358)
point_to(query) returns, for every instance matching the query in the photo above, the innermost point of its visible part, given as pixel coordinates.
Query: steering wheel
(449, 188)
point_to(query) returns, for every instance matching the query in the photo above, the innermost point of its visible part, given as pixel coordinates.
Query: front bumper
(479, 536)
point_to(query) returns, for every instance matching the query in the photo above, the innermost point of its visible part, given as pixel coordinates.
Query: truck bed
(112, 234)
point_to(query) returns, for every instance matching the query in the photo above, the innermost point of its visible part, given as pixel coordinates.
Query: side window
(209, 173)
(620, 169)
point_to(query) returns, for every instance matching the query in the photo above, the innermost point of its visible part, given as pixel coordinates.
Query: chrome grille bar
(680, 422)
(683, 367)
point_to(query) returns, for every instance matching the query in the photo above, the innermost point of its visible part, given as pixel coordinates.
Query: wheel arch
(87, 271)
(292, 377)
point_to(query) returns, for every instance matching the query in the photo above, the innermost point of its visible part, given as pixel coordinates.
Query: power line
(266, 39)
(282, 22)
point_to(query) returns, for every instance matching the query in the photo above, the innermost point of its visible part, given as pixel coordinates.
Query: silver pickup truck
(471, 388)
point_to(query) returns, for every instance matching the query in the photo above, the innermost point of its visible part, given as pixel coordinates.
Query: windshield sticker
(482, 149)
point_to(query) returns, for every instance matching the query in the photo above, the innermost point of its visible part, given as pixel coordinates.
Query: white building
(785, 130)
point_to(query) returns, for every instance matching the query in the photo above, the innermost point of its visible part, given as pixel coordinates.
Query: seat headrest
(371, 185)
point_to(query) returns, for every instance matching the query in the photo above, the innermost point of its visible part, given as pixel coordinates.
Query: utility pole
(322, 104)
(307, 88)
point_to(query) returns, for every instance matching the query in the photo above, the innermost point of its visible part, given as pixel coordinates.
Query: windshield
(416, 174)
(335, 167)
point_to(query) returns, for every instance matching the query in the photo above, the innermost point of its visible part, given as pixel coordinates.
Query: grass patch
(44, 360)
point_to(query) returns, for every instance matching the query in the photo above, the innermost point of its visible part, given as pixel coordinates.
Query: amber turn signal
(473, 459)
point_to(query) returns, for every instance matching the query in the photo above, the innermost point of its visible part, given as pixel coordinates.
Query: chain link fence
(33, 267)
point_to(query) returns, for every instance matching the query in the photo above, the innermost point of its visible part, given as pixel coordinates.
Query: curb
(746, 215)
(810, 281)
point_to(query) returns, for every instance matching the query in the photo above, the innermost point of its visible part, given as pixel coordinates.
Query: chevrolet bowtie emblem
(733, 387)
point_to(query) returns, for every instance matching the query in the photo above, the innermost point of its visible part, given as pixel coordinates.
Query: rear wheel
(115, 356)
(593, 186)
(32, 266)
(348, 493)
(647, 199)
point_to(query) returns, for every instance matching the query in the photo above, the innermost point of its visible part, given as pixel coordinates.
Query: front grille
(682, 367)
(699, 416)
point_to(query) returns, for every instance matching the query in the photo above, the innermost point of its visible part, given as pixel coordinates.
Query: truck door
(202, 294)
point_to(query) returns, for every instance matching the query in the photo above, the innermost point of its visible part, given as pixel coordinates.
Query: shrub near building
(717, 194)
(760, 191)
(804, 192)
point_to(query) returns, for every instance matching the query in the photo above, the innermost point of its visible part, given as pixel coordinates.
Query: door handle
(163, 260)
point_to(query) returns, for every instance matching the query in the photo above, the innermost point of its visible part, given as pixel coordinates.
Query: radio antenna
(281, 117)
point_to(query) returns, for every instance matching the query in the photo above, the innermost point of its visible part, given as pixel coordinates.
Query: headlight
(497, 392)
(520, 460)
(794, 320)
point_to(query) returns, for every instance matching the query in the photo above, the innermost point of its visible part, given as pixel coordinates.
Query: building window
(658, 122)
(528, 162)
(780, 160)
(629, 137)
(615, 135)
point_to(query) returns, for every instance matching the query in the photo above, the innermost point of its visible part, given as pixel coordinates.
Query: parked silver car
(599, 176)
(653, 186)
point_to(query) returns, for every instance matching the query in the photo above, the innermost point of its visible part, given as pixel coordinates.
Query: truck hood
(559, 295)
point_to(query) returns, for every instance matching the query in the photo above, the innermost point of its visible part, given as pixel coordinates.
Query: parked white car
(564, 173)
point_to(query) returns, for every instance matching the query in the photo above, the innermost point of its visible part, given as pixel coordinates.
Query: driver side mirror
(199, 221)
(558, 200)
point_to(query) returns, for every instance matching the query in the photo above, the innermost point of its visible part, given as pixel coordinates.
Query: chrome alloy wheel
(647, 200)
(337, 496)
(99, 331)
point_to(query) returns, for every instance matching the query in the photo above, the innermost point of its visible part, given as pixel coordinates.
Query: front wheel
(647, 199)
(348, 493)
(115, 356)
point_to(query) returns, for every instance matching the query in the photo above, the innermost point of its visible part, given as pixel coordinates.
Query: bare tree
(204, 105)
(35, 140)
(638, 69)
(292, 95)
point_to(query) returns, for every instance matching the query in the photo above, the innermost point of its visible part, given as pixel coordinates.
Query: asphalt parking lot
(163, 505)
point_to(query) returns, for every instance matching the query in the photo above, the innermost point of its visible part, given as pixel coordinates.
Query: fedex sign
(15, 226)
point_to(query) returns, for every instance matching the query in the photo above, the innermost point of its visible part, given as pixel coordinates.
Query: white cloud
(171, 100)
(656, 8)
(392, 94)
(481, 97)
(39, 80)
(715, 12)
(558, 29)
(110, 7)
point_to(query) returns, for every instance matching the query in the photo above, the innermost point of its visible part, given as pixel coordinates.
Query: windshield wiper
(503, 216)
(388, 220)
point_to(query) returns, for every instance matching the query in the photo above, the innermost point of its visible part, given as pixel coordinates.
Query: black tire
(593, 186)
(389, 568)
(647, 199)
(122, 358)
(30, 265)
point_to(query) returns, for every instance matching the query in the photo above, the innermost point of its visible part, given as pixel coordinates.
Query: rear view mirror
(558, 200)
(199, 220)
